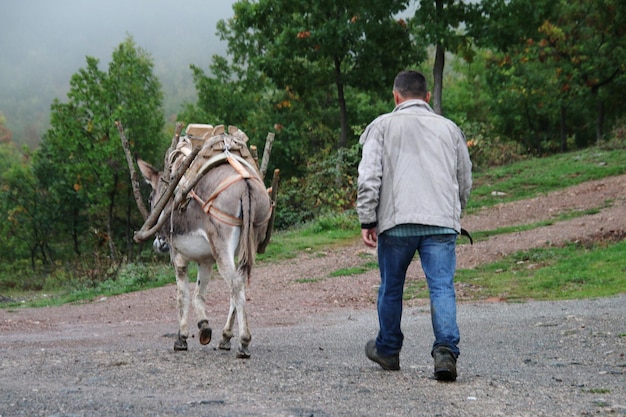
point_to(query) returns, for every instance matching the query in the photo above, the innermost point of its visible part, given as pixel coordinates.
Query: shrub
(487, 150)
(328, 186)
(617, 137)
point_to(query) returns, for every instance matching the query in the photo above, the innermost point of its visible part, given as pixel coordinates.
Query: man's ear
(427, 99)
(396, 97)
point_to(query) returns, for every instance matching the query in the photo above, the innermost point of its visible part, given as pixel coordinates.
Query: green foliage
(555, 70)
(5, 134)
(328, 186)
(507, 23)
(23, 224)
(548, 76)
(467, 102)
(257, 107)
(442, 24)
(617, 138)
(80, 167)
(320, 49)
(61, 289)
(487, 152)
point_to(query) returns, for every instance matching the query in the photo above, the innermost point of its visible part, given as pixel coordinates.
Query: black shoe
(388, 363)
(445, 364)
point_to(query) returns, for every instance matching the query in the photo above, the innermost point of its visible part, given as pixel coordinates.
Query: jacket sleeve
(464, 170)
(370, 175)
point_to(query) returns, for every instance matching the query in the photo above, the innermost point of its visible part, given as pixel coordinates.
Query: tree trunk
(440, 61)
(438, 78)
(563, 128)
(600, 120)
(343, 115)
(75, 233)
(112, 250)
(343, 112)
(128, 237)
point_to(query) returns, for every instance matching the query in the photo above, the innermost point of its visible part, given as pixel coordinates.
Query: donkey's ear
(150, 173)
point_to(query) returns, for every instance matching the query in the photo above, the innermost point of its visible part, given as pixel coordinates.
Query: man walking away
(415, 177)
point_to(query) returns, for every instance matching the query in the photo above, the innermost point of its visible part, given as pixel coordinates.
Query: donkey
(225, 215)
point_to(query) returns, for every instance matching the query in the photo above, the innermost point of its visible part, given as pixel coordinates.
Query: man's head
(410, 85)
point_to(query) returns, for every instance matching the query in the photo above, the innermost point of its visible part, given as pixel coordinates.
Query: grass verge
(573, 271)
(533, 177)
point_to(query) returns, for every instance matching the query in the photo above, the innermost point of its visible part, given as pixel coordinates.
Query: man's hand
(369, 237)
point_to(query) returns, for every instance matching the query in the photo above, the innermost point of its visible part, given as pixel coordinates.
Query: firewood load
(213, 143)
(202, 147)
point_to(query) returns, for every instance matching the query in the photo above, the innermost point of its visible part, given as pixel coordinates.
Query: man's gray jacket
(415, 169)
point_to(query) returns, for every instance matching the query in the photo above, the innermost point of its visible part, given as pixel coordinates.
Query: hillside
(286, 292)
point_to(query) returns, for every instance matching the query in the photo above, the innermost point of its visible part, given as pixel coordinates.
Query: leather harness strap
(237, 165)
(210, 209)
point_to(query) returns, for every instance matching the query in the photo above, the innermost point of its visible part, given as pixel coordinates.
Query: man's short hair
(410, 84)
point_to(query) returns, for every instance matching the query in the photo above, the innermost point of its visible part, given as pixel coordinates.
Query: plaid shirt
(411, 230)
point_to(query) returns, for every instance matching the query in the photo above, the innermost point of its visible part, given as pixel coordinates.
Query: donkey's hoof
(205, 332)
(180, 344)
(224, 344)
(243, 352)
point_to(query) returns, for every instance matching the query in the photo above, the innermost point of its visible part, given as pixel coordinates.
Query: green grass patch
(573, 271)
(597, 391)
(357, 270)
(486, 234)
(308, 280)
(326, 233)
(533, 177)
(132, 277)
(416, 290)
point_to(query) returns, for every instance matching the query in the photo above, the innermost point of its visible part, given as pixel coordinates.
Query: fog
(44, 42)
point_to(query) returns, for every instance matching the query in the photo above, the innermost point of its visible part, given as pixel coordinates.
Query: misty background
(44, 42)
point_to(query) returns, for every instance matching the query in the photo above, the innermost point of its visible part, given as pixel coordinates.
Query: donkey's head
(155, 179)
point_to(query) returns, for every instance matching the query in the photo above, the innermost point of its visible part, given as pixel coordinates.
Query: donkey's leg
(237, 307)
(226, 265)
(236, 283)
(238, 296)
(182, 302)
(227, 332)
(205, 271)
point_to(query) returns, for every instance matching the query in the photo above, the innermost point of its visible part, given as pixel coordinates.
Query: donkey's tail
(247, 238)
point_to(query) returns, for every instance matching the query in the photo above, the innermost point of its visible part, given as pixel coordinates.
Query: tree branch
(267, 151)
(147, 230)
(133, 173)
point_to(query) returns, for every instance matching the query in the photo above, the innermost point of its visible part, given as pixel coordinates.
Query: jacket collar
(413, 103)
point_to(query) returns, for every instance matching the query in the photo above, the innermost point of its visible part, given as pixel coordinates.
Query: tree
(5, 134)
(553, 59)
(305, 47)
(81, 164)
(21, 226)
(587, 46)
(440, 23)
(504, 24)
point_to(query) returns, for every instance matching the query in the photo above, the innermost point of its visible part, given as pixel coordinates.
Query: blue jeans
(438, 258)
